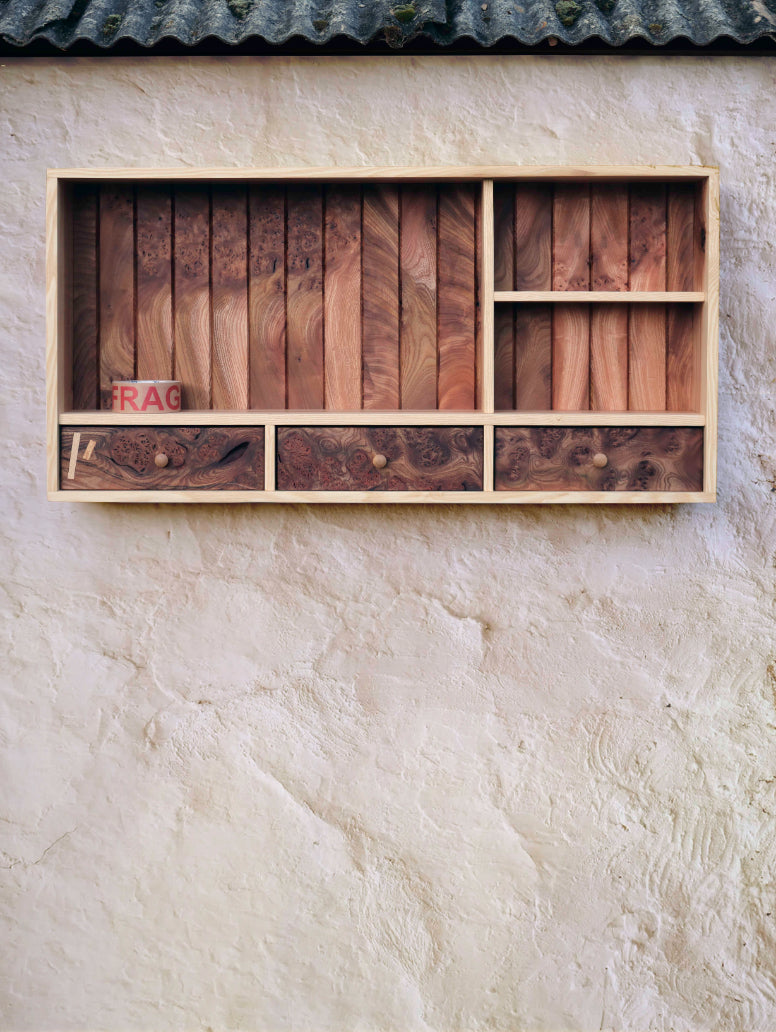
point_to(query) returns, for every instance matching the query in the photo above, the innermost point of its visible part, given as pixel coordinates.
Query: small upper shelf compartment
(278, 296)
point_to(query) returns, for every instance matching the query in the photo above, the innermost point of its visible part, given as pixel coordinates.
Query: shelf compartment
(314, 458)
(650, 459)
(121, 458)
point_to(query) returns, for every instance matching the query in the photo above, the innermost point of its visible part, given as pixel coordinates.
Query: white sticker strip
(74, 455)
(90, 450)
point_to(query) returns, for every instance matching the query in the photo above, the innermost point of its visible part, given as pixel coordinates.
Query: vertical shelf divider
(488, 331)
(710, 332)
(269, 456)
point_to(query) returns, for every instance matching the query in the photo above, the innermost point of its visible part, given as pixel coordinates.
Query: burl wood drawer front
(599, 459)
(162, 458)
(441, 458)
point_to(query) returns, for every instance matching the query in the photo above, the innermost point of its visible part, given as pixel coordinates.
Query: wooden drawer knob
(379, 462)
(161, 460)
(600, 460)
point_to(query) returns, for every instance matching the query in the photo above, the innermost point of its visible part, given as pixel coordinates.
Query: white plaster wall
(372, 769)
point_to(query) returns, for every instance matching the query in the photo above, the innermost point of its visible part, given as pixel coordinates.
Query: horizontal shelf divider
(371, 418)
(614, 296)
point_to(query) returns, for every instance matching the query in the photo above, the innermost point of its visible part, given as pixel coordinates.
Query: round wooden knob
(161, 460)
(600, 460)
(379, 462)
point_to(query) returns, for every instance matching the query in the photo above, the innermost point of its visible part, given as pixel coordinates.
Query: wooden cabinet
(450, 321)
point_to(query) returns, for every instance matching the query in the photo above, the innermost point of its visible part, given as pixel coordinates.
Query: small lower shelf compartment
(162, 458)
(386, 458)
(615, 458)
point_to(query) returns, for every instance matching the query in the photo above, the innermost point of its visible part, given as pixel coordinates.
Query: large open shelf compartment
(458, 213)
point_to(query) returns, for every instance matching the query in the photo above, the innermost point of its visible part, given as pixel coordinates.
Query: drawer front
(120, 458)
(441, 458)
(599, 459)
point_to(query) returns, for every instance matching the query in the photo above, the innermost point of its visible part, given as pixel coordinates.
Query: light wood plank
(270, 458)
(230, 297)
(154, 283)
(58, 322)
(267, 297)
(710, 330)
(381, 296)
(419, 297)
(457, 298)
(304, 329)
(117, 288)
(342, 298)
(609, 357)
(191, 272)
(571, 237)
(486, 308)
(647, 357)
(601, 296)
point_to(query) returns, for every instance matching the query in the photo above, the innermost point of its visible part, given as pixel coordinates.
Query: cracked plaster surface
(376, 768)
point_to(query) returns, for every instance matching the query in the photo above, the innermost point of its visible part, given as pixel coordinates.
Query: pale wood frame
(59, 321)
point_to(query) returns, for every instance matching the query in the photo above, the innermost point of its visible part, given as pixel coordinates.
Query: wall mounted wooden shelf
(490, 335)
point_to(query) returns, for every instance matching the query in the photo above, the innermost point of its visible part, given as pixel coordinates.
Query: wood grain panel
(533, 236)
(457, 297)
(680, 257)
(230, 297)
(648, 236)
(571, 357)
(533, 357)
(683, 370)
(342, 298)
(85, 317)
(381, 296)
(647, 358)
(609, 357)
(418, 458)
(418, 375)
(304, 327)
(561, 459)
(504, 358)
(123, 458)
(608, 236)
(154, 283)
(571, 237)
(191, 272)
(267, 297)
(504, 236)
(117, 287)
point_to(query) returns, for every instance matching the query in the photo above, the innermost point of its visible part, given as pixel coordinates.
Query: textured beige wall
(390, 769)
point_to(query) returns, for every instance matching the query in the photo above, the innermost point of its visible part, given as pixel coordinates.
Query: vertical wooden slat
(304, 327)
(609, 358)
(84, 335)
(504, 360)
(267, 297)
(571, 237)
(457, 314)
(229, 275)
(648, 236)
(533, 357)
(381, 296)
(680, 260)
(683, 373)
(707, 223)
(342, 298)
(608, 237)
(154, 283)
(504, 236)
(419, 297)
(117, 287)
(191, 271)
(647, 364)
(486, 306)
(570, 357)
(533, 236)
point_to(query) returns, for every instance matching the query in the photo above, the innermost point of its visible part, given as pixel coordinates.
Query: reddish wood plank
(267, 298)
(381, 296)
(533, 358)
(478, 329)
(533, 236)
(229, 277)
(680, 259)
(154, 283)
(304, 326)
(571, 357)
(504, 236)
(648, 236)
(609, 357)
(342, 298)
(504, 358)
(608, 236)
(117, 287)
(191, 273)
(457, 294)
(647, 358)
(418, 236)
(683, 374)
(699, 235)
(571, 237)
(85, 355)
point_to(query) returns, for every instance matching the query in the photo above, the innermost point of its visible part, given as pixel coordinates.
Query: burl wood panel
(380, 260)
(571, 237)
(122, 458)
(85, 376)
(117, 287)
(418, 258)
(418, 458)
(154, 283)
(561, 459)
(267, 297)
(457, 298)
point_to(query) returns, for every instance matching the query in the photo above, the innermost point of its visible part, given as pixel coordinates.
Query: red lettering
(152, 398)
(128, 395)
(173, 397)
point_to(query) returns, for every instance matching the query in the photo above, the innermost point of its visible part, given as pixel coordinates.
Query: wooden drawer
(120, 458)
(333, 458)
(572, 459)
